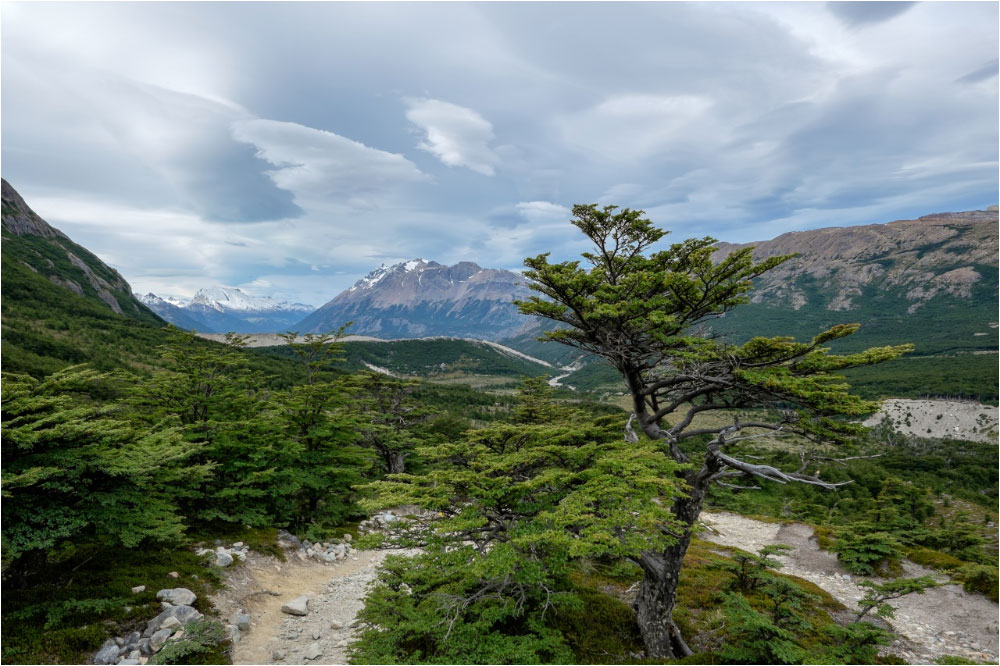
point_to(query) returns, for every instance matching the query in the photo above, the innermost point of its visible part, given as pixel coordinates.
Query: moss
(934, 559)
(602, 630)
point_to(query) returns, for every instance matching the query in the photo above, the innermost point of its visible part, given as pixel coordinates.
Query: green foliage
(878, 595)
(750, 569)
(531, 499)
(390, 418)
(863, 550)
(754, 638)
(980, 578)
(75, 470)
(202, 643)
(856, 643)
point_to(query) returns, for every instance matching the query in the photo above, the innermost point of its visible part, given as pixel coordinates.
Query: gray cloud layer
(287, 148)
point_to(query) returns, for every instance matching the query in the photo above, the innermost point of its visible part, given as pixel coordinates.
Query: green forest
(554, 527)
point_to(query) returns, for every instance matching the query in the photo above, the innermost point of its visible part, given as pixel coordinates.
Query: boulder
(184, 615)
(108, 653)
(144, 648)
(222, 558)
(170, 623)
(241, 620)
(238, 544)
(157, 640)
(178, 596)
(297, 606)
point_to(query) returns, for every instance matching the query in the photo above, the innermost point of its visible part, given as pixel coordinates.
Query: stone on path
(297, 606)
(178, 596)
(336, 625)
(314, 651)
(241, 620)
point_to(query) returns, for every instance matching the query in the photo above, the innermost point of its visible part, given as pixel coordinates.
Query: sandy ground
(942, 621)
(940, 418)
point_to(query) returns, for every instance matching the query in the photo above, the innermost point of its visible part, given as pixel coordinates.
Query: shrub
(865, 552)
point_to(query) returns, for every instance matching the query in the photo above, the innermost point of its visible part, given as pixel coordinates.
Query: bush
(865, 553)
(980, 579)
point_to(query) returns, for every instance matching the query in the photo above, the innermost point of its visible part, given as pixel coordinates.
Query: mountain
(931, 281)
(420, 298)
(62, 305)
(31, 242)
(225, 309)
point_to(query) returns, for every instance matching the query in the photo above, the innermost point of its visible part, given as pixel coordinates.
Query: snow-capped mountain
(419, 298)
(225, 309)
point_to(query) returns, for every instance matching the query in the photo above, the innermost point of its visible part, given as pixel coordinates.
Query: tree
(643, 311)
(879, 594)
(507, 511)
(389, 415)
(76, 471)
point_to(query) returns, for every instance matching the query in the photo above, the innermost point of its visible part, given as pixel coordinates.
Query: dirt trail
(943, 621)
(263, 584)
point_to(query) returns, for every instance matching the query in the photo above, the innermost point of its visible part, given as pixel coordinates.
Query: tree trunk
(654, 605)
(395, 462)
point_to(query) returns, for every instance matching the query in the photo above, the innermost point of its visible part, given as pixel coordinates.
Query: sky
(289, 148)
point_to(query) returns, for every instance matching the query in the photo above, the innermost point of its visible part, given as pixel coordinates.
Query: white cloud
(319, 164)
(454, 134)
(543, 211)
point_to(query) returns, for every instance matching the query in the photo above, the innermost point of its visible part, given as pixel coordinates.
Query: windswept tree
(642, 311)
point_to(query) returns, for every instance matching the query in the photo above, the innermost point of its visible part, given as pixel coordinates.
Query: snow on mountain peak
(230, 299)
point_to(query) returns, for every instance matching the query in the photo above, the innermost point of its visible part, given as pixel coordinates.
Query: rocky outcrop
(935, 254)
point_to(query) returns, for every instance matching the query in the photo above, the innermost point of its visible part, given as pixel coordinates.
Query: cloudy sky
(289, 148)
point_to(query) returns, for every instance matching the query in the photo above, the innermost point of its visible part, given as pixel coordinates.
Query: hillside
(421, 298)
(930, 281)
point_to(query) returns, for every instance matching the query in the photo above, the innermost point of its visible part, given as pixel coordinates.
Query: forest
(553, 528)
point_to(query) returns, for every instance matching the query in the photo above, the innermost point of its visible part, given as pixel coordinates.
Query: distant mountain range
(225, 309)
(417, 298)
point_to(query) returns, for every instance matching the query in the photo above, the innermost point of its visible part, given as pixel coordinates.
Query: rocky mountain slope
(225, 309)
(421, 298)
(32, 243)
(931, 281)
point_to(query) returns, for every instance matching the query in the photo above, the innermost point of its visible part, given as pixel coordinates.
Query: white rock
(138, 589)
(297, 606)
(314, 651)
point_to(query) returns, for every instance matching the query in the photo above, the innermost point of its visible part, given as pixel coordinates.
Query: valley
(164, 441)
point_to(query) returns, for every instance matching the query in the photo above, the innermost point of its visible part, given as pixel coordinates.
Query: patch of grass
(934, 559)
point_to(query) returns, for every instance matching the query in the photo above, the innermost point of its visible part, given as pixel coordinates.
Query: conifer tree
(644, 312)
(76, 470)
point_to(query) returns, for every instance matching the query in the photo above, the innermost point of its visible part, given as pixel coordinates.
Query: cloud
(984, 73)
(319, 164)
(543, 211)
(456, 135)
(859, 14)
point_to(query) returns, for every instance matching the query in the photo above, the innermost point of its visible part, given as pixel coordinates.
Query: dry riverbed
(943, 621)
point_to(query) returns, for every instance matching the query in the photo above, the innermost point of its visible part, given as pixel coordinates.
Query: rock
(343, 643)
(238, 544)
(277, 655)
(143, 661)
(223, 559)
(144, 648)
(316, 634)
(302, 555)
(241, 620)
(348, 538)
(314, 651)
(179, 596)
(157, 640)
(241, 555)
(119, 641)
(233, 632)
(134, 654)
(177, 636)
(184, 614)
(297, 606)
(336, 625)
(108, 652)
(173, 574)
(130, 661)
(170, 623)
(138, 589)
